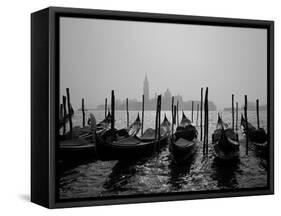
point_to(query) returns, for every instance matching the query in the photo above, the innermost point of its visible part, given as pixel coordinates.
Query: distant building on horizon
(251, 107)
(150, 103)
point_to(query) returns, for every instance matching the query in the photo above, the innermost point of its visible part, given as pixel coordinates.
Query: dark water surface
(158, 174)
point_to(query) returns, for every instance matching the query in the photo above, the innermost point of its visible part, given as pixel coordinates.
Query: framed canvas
(139, 107)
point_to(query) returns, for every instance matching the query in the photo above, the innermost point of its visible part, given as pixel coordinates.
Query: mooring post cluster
(204, 125)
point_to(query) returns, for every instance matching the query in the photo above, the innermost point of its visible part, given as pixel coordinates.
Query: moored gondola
(184, 143)
(257, 137)
(81, 145)
(133, 129)
(104, 124)
(78, 131)
(123, 133)
(184, 121)
(165, 129)
(243, 125)
(133, 147)
(225, 141)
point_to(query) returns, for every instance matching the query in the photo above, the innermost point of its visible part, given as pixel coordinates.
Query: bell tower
(146, 89)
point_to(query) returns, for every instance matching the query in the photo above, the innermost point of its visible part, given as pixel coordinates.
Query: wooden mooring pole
(258, 114)
(69, 112)
(247, 129)
(172, 106)
(142, 115)
(192, 107)
(204, 135)
(201, 115)
(127, 109)
(61, 111)
(178, 121)
(112, 111)
(173, 120)
(232, 111)
(159, 120)
(206, 124)
(83, 113)
(105, 108)
(236, 115)
(197, 113)
(156, 118)
(64, 114)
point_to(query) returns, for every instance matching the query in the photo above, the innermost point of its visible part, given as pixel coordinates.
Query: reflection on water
(178, 173)
(158, 173)
(225, 173)
(120, 176)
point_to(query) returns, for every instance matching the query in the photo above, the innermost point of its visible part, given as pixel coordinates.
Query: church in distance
(150, 103)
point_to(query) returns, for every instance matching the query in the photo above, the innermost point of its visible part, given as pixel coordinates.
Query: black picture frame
(45, 103)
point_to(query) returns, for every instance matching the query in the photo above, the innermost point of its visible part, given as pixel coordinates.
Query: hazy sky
(97, 56)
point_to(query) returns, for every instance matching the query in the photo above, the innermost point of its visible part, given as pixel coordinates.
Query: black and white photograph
(140, 108)
(158, 108)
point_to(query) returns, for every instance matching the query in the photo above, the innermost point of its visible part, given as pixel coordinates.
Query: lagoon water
(158, 174)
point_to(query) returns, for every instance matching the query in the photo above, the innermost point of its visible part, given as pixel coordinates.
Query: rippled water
(158, 173)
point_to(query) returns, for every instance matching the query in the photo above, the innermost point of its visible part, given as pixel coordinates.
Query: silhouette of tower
(146, 89)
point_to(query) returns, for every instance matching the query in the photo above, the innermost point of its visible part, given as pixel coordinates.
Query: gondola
(184, 143)
(225, 141)
(123, 133)
(81, 145)
(165, 129)
(104, 124)
(133, 147)
(184, 121)
(78, 131)
(257, 137)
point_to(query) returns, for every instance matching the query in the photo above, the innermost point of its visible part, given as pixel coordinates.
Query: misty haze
(97, 56)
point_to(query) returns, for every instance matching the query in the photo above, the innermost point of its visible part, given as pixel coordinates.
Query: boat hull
(225, 142)
(130, 148)
(226, 155)
(78, 153)
(182, 154)
(261, 149)
(107, 151)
